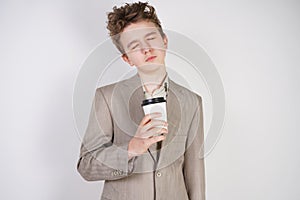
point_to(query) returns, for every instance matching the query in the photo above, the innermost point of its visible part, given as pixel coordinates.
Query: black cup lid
(153, 101)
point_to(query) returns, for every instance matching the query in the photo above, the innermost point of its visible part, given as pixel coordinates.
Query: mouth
(150, 58)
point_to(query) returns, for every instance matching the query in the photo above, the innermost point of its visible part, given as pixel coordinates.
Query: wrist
(131, 153)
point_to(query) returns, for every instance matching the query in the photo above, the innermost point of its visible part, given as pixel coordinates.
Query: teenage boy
(140, 156)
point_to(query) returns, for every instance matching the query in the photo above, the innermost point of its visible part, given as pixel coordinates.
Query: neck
(152, 81)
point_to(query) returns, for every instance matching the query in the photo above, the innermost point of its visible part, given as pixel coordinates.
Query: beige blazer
(175, 172)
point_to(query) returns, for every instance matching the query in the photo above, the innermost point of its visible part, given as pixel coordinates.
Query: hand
(147, 134)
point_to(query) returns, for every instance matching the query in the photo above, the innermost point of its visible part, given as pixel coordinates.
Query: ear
(165, 39)
(126, 59)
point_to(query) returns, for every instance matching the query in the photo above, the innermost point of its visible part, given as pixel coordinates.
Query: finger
(158, 131)
(154, 123)
(154, 132)
(155, 139)
(150, 116)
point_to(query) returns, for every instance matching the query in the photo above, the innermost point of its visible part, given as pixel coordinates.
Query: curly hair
(123, 16)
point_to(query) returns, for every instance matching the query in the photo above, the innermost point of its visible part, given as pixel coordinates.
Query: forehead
(136, 30)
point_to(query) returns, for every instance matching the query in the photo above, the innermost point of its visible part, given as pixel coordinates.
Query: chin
(152, 64)
(150, 68)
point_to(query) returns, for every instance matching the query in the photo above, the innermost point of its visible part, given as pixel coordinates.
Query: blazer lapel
(135, 108)
(135, 95)
(174, 110)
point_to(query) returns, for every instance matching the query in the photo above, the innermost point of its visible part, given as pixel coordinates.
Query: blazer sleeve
(100, 158)
(194, 167)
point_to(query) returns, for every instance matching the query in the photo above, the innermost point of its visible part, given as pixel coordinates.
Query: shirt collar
(159, 92)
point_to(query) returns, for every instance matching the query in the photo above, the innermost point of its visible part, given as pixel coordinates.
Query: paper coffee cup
(156, 105)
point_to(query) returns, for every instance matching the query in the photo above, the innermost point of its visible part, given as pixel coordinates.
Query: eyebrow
(130, 43)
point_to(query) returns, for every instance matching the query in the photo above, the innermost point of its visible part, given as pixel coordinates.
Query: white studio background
(255, 46)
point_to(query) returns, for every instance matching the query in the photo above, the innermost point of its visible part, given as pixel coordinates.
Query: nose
(146, 48)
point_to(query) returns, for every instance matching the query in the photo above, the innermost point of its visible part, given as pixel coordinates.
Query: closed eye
(135, 46)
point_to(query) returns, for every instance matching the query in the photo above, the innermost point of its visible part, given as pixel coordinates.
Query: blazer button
(115, 173)
(158, 174)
